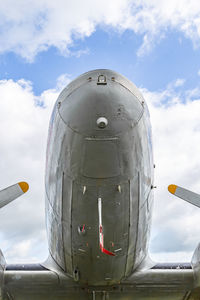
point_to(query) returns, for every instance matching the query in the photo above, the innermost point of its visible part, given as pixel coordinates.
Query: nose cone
(100, 103)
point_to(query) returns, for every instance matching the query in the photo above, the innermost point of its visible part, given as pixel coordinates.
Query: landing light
(102, 122)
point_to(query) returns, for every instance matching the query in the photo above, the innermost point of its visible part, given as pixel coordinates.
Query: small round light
(102, 122)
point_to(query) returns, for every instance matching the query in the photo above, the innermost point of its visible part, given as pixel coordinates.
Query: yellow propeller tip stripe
(172, 188)
(24, 186)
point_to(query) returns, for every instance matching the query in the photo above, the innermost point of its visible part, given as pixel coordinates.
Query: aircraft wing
(37, 282)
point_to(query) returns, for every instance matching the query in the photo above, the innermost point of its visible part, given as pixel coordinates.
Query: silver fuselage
(85, 163)
(99, 179)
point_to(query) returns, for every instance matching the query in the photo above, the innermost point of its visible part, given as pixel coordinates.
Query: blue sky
(171, 58)
(45, 44)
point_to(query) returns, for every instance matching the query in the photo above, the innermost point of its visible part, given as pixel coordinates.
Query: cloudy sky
(44, 44)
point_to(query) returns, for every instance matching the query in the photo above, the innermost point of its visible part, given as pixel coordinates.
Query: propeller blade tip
(172, 188)
(24, 186)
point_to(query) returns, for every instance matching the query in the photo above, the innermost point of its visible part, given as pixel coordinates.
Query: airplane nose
(100, 103)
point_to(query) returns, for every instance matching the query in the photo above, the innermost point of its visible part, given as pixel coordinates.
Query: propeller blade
(12, 192)
(184, 194)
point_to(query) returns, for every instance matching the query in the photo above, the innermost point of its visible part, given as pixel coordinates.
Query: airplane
(99, 195)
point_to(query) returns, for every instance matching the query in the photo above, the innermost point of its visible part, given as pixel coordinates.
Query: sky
(44, 44)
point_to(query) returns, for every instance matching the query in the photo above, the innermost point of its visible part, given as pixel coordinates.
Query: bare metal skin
(99, 179)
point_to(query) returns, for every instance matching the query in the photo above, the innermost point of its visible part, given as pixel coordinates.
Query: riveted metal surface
(133, 217)
(67, 222)
(150, 284)
(92, 76)
(81, 109)
(101, 159)
(83, 156)
(94, 266)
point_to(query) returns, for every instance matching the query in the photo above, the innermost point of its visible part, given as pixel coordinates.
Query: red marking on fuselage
(107, 252)
(83, 228)
(103, 250)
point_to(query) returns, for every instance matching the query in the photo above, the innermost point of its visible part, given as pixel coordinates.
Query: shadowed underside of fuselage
(99, 180)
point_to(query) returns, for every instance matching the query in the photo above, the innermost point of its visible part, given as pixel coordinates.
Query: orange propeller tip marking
(24, 186)
(172, 188)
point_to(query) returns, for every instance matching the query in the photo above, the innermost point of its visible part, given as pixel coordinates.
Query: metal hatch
(101, 159)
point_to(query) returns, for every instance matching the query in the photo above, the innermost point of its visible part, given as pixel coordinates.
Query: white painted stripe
(100, 211)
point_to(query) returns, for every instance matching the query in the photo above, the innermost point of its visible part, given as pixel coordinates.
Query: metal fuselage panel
(86, 163)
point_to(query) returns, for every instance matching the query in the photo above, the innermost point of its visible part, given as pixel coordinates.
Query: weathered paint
(147, 285)
(80, 154)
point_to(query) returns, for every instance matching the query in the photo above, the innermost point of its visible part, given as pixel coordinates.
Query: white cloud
(176, 131)
(62, 81)
(176, 135)
(171, 257)
(23, 131)
(179, 82)
(154, 18)
(28, 27)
